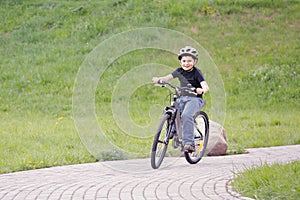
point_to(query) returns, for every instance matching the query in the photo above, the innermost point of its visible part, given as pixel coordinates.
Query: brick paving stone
(135, 179)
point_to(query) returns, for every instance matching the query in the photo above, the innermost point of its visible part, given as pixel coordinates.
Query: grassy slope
(254, 44)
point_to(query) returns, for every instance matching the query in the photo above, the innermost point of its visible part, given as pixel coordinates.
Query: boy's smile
(187, 63)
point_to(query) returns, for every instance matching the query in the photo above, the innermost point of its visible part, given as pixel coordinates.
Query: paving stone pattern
(135, 179)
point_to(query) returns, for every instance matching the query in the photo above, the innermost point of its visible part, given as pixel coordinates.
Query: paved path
(134, 179)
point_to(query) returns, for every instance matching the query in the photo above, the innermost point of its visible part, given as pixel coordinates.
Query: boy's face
(187, 62)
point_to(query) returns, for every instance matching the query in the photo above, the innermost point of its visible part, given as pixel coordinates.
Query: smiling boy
(189, 104)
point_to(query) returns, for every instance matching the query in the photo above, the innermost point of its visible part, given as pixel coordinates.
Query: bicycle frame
(165, 133)
(174, 113)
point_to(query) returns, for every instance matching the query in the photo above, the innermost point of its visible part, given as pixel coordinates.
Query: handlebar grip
(161, 82)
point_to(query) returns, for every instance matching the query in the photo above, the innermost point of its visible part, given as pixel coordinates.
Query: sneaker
(189, 148)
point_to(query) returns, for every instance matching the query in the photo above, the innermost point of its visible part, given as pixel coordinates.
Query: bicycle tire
(201, 134)
(160, 142)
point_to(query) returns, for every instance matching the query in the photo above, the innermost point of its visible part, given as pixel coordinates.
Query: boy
(191, 103)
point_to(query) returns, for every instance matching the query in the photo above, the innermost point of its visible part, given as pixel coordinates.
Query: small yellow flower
(60, 118)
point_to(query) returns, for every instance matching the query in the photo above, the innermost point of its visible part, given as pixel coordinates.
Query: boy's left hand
(199, 91)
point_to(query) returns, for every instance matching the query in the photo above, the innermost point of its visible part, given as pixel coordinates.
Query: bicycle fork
(171, 111)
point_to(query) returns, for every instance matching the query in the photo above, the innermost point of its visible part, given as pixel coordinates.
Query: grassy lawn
(38, 141)
(270, 182)
(254, 44)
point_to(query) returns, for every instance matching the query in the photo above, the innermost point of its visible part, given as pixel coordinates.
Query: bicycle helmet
(188, 51)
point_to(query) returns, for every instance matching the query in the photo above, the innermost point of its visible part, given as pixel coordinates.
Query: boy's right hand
(155, 80)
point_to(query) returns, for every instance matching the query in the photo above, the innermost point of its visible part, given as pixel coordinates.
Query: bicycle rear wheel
(160, 143)
(201, 134)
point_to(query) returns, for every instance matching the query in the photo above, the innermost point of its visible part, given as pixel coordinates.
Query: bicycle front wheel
(201, 134)
(160, 143)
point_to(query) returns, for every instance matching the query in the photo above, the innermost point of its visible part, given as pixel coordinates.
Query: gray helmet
(188, 51)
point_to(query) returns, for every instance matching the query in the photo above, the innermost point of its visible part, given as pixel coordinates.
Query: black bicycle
(170, 130)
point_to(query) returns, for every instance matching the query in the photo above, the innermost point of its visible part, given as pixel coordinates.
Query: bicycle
(171, 121)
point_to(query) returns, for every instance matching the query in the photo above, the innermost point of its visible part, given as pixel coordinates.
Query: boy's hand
(163, 78)
(155, 80)
(199, 91)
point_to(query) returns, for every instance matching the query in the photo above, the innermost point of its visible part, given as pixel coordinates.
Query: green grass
(252, 129)
(38, 141)
(270, 181)
(255, 45)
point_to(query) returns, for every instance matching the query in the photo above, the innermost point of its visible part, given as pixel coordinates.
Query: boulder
(217, 141)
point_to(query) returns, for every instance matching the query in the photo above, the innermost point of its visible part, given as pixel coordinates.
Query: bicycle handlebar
(189, 89)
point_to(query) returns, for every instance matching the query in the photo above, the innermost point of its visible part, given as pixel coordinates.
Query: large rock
(217, 142)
